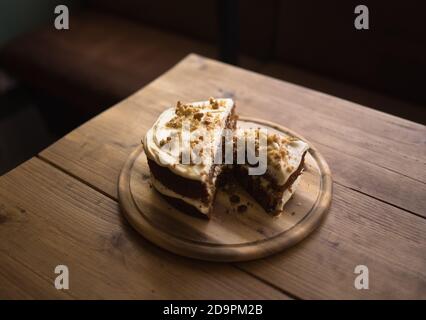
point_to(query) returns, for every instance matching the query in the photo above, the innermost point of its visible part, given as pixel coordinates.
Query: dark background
(53, 80)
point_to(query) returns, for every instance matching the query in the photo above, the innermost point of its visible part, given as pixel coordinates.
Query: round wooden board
(228, 235)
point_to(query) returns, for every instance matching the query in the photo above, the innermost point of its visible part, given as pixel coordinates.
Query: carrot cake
(185, 150)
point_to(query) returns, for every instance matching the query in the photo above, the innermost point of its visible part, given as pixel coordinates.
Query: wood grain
(48, 218)
(229, 235)
(358, 230)
(389, 150)
(377, 160)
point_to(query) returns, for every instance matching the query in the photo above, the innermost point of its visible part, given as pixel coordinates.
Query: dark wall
(319, 36)
(390, 56)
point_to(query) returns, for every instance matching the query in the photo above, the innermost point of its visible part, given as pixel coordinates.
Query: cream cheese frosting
(288, 193)
(164, 142)
(197, 203)
(284, 152)
(283, 167)
(204, 208)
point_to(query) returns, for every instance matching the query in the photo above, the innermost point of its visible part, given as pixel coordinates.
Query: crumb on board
(234, 198)
(242, 208)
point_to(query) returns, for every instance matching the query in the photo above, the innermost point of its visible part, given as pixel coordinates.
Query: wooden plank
(386, 150)
(389, 150)
(348, 238)
(48, 218)
(13, 273)
(374, 180)
(315, 81)
(358, 230)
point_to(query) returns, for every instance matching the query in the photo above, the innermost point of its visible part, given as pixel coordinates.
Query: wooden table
(60, 207)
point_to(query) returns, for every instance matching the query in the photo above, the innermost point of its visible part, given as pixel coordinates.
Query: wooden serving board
(230, 235)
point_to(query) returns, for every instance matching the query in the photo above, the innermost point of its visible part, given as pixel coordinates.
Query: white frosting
(197, 203)
(202, 207)
(168, 155)
(287, 167)
(287, 194)
(279, 169)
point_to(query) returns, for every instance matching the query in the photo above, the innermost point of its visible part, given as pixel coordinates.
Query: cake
(284, 155)
(188, 179)
(187, 151)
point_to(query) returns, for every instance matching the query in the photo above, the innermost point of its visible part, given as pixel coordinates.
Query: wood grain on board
(377, 216)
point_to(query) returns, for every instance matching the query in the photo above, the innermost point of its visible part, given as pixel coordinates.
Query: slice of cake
(182, 149)
(284, 157)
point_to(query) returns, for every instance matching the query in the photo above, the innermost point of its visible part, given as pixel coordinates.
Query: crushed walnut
(277, 152)
(213, 103)
(195, 116)
(164, 141)
(277, 148)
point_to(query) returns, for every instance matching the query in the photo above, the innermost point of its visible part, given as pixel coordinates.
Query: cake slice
(285, 156)
(181, 150)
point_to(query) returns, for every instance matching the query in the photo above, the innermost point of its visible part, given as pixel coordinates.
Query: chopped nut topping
(213, 102)
(198, 116)
(174, 123)
(277, 148)
(193, 114)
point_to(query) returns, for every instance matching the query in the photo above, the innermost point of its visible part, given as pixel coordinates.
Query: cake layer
(178, 200)
(285, 160)
(187, 187)
(264, 190)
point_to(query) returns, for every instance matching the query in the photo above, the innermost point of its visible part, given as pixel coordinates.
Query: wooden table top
(60, 207)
